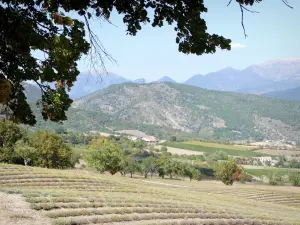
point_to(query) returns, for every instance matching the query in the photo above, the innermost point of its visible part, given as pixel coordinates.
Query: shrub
(275, 179)
(163, 149)
(294, 178)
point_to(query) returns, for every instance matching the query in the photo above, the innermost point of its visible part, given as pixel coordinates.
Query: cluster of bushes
(43, 148)
(292, 178)
(285, 163)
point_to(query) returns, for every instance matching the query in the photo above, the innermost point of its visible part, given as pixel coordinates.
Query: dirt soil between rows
(14, 210)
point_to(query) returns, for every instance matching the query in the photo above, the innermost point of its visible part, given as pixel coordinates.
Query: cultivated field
(196, 146)
(83, 197)
(217, 145)
(279, 152)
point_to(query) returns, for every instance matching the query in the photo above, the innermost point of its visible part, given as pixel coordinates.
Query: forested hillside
(164, 109)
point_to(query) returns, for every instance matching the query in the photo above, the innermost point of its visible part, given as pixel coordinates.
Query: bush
(163, 149)
(51, 151)
(294, 179)
(275, 179)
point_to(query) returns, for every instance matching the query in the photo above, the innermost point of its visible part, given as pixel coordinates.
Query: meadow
(266, 171)
(214, 147)
(74, 197)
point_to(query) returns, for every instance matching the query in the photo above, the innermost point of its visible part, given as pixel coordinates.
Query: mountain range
(276, 75)
(164, 109)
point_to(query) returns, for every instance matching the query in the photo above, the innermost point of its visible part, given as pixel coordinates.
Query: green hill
(165, 109)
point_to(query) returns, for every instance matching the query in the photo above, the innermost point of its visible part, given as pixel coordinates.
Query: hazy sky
(272, 34)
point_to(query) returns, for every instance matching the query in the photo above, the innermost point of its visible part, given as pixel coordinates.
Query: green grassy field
(75, 197)
(269, 170)
(206, 149)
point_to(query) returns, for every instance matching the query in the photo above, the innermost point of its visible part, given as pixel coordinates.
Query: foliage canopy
(51, 151)
(229, 171)
(10, 133)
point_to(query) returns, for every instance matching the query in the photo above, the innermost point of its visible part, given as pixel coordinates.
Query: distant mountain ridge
(276, 75)
(290, 94)
(165, 79)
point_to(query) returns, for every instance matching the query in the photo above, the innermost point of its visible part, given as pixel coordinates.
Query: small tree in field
(130, 166)
(25, 151)
(51, 151)
(192, 172)
(109, 157)
(229, 171)
(148, 166)
(164, 166)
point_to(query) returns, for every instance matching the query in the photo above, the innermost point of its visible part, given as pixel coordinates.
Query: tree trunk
(190, 179)
(25, 162)
(146, 175)
(130, 175)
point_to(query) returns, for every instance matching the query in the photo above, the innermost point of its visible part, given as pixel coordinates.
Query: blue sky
(272, 34)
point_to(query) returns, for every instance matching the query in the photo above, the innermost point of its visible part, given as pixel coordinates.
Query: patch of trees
(110, 155)
(43, 149)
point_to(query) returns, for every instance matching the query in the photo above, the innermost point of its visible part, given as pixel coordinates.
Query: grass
(85, 197)
(78, 150)
(206, 149)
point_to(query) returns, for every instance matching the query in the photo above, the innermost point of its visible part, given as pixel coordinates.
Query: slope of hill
(290, 94)
(257, 79)
(163, 109)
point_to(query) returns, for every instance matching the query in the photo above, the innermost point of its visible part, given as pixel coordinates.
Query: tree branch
(97, 51)
(287, 4)
(229, 2)
(242, 21)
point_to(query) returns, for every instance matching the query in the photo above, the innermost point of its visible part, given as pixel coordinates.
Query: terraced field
(84, 197)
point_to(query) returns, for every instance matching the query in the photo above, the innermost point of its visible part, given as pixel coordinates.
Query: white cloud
(237, 45)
